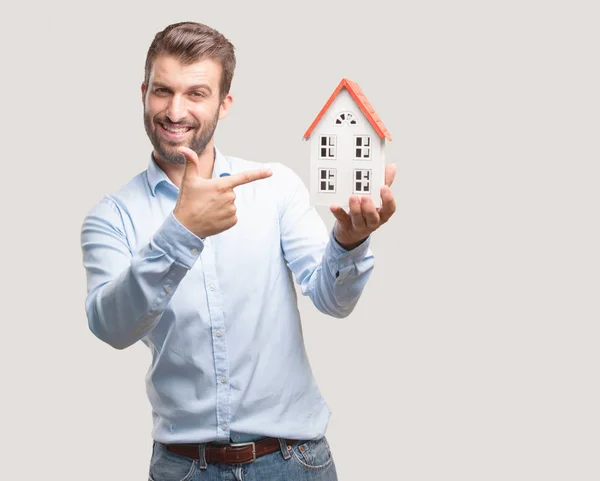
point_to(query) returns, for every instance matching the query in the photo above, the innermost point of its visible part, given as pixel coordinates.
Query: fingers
(369, 212)
(341, 216)
(192, 164)
(388, 204)
(390, 173)
(358, 221)
(362, 219)
(245, 177)
(362, 213)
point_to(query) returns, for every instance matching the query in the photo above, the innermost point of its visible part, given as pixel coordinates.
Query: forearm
(330, 275)
(127, 294)
(337, 284)
(125, 309)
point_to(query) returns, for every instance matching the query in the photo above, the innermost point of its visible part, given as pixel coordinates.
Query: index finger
(246, 177)
(388, 205)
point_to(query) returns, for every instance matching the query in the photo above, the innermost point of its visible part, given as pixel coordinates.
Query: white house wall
(344, 162)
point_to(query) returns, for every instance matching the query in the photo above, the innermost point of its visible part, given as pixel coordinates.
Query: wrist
(183, 220)
(349, 246)
(345, 241)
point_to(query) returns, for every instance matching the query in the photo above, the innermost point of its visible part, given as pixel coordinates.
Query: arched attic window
(346, 118)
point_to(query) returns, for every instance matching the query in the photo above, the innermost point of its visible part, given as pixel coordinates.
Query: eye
(198, 95)
(161, 90)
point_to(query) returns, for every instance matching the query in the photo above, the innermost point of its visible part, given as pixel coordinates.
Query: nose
(176, 109)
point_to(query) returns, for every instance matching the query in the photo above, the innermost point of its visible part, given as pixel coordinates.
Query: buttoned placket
(219, 340)
(215, 311)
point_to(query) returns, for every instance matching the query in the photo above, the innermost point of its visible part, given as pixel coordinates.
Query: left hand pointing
(363, 218)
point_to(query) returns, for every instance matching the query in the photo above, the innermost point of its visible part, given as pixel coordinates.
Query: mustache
(168, 123)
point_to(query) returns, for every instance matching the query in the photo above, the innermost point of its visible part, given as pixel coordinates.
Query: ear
(225, 106)
(144, 88)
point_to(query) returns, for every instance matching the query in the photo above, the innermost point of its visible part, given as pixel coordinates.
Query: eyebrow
(190, 89)
(200, 87)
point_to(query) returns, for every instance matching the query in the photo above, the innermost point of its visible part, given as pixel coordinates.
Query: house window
(327, 147)
(362, 181)
(362, 147)
(345, 118)
(327, 180)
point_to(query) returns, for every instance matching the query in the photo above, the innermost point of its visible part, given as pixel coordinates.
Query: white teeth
(176, 131)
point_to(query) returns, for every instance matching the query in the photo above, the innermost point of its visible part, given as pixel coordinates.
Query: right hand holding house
(363, 218)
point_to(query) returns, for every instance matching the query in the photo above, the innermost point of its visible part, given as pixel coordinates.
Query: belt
(237, 453)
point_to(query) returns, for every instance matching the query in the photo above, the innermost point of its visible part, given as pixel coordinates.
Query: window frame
(330, 170)
(328, 146)
(369, 181)
(362, 137)
(345, 122)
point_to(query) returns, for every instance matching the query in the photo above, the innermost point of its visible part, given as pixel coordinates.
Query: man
(195, 258)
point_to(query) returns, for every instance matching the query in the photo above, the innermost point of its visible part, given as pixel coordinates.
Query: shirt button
(194, 251)
(168, 288)
(218, 333)
(224, 426)
(211, 287)
(223, 380)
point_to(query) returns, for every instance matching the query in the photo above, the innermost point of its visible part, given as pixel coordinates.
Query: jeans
(305, 461)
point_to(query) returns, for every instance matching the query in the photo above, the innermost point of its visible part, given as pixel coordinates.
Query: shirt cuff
(178, 242)
(342, 262)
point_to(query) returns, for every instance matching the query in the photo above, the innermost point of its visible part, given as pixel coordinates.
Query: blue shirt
(219, 315)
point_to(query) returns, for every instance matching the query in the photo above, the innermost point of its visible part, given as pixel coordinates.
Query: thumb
(192, 164)
(390, 173)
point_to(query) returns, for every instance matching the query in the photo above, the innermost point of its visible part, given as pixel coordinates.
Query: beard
(167, 150)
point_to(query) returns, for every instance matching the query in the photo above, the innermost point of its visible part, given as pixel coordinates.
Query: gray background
(473, 354)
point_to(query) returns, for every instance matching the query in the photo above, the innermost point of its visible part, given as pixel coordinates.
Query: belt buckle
(251, 443)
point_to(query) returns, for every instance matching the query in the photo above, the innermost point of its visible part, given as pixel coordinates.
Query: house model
(347, 141)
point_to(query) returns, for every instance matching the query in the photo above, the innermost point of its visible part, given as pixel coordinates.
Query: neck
(175, 171)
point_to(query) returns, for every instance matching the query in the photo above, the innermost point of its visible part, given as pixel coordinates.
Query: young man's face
(181, 106)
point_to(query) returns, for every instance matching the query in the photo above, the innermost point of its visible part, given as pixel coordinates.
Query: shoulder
(284, 189)
(115, 205)
(133, 190)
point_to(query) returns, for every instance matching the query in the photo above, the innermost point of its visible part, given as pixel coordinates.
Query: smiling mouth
(175, 130)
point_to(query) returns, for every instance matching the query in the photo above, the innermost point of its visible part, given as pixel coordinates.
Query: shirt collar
(156, 175)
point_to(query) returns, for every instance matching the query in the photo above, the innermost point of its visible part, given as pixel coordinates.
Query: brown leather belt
(237, 453)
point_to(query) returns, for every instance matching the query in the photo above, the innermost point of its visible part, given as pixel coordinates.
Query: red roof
(364, 105)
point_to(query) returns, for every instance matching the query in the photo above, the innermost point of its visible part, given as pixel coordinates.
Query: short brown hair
(191, 42)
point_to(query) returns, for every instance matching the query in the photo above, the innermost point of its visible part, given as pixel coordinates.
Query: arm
(128, 292)
(330, 275)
